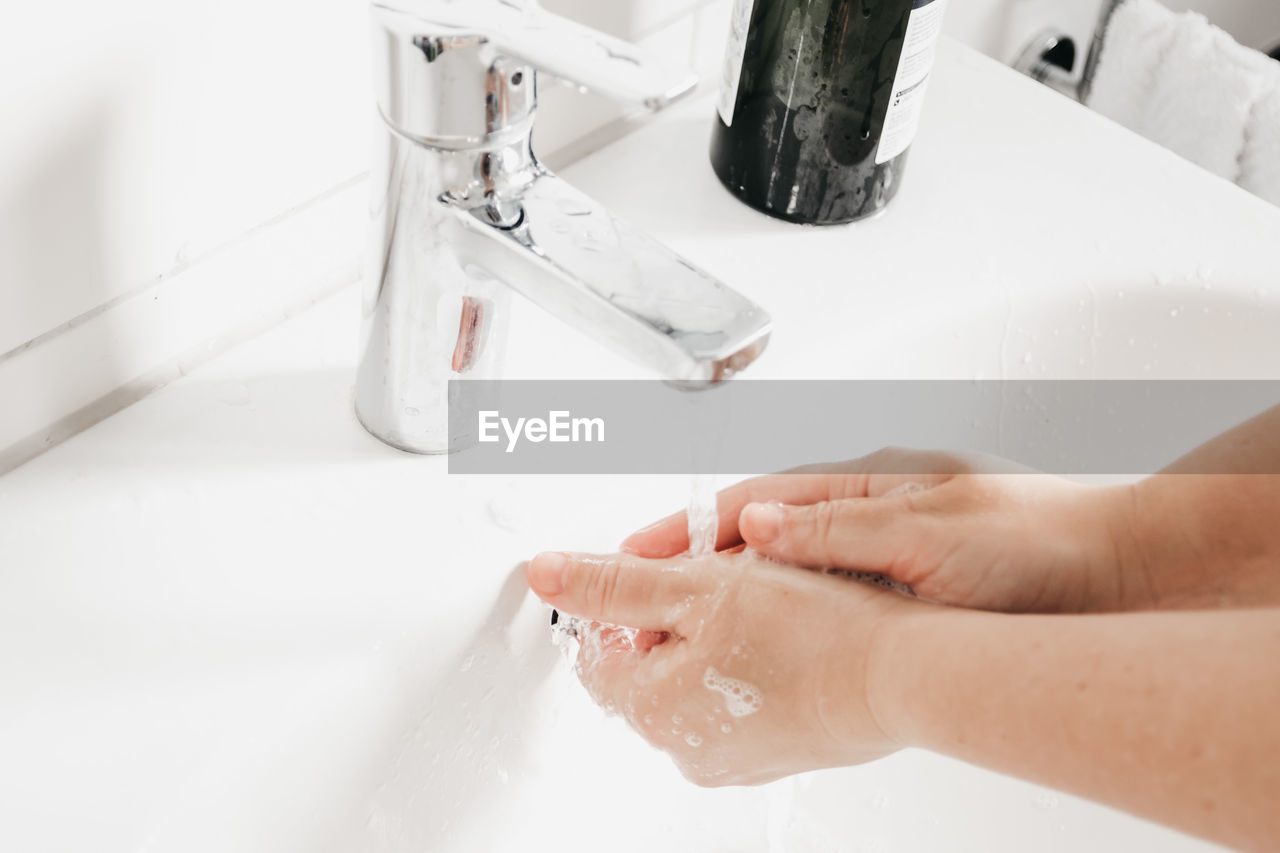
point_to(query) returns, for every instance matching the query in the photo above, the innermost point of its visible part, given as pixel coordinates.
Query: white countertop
(231, 620)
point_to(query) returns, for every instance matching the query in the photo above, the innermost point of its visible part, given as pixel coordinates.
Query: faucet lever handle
(589, 59)
(435, 60)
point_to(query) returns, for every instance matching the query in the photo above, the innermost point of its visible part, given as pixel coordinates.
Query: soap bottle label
(733, 55)
(912, 79)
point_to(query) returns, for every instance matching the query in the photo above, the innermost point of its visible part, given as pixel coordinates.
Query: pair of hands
(974, 533)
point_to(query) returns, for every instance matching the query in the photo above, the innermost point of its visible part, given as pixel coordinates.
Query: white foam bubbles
(591, 647)
(741, 698)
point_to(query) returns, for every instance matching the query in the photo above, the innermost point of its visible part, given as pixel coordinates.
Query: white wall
(141, 133)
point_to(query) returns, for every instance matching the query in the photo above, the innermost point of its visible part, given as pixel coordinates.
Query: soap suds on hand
(741, 698)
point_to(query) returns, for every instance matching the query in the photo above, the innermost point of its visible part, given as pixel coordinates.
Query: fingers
(889, 467)
(865, 534)
(606, 666)
(647, 641)
(869, 475)
(620, 590)
(670, 536)
(665, 538)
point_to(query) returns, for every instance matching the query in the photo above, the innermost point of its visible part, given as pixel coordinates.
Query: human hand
(969, 531)
(749, 670)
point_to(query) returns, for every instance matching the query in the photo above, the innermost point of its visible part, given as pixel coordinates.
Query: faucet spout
(568, 254)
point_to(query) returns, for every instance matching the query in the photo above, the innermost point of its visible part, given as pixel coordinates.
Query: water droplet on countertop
(507, 512)
(591, 242)
(573, 207)
(1046, 799)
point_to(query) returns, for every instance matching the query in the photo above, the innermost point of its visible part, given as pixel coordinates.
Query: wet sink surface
(276, 633)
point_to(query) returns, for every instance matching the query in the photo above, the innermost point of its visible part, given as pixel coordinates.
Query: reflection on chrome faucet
(463, 214)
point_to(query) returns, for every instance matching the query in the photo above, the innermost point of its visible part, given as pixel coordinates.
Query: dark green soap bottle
(819, 103)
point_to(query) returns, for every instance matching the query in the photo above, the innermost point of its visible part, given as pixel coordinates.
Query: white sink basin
(337, 674)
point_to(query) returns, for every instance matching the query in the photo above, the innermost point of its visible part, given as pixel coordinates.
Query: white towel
(1189, 86)
(1260, 159)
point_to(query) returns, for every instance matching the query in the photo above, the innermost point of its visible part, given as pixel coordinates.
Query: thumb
(860, 534)
(618, 590)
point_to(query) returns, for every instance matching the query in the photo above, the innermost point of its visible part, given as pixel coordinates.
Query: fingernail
(626, 543)
(546, 573)
(765, 521)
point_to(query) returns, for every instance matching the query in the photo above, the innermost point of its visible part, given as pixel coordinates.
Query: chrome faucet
(463, 214)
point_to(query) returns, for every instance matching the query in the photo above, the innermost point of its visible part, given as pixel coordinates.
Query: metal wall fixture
(1051, 57)
(463, 214)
